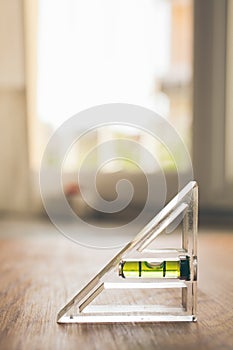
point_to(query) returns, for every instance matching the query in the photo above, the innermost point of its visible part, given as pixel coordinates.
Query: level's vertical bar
(189, 244)
(194, 251)
(185, 227)
(195, 219)
(185, 247)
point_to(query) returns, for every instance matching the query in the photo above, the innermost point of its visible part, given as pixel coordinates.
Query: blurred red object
(72, 189)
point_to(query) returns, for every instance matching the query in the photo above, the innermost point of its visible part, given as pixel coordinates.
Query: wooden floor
(40, 270)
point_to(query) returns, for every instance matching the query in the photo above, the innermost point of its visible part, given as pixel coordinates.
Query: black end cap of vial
(185, 269)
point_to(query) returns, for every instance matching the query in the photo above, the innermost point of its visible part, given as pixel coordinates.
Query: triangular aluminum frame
(185, 203)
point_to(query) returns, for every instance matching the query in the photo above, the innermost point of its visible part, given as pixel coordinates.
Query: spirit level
(179, 268)
(144, 283)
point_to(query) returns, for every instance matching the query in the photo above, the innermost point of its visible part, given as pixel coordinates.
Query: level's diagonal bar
(149, 238)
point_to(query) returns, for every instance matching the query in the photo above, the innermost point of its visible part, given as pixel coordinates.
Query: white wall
(14, 174)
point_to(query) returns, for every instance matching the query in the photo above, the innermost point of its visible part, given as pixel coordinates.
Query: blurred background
(60, 57)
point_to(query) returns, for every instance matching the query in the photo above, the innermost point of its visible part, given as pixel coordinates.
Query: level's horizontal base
(126, 319)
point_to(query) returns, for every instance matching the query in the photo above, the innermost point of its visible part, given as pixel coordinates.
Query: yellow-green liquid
(144, 269)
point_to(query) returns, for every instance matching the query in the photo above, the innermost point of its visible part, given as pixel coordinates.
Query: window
(95, 52)
(165, 82)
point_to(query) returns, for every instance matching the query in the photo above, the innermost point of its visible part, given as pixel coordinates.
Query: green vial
(165, 269)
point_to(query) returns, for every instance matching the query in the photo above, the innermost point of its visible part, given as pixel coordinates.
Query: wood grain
(40, 270)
